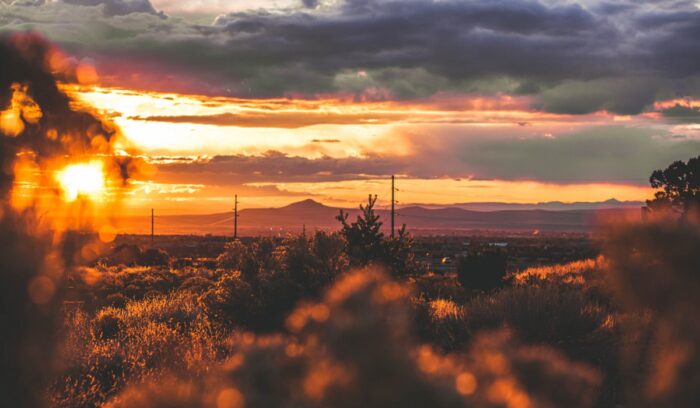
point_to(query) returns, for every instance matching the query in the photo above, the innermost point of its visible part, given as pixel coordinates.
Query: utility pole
(152, 227)
(393, 201)
(235, 218)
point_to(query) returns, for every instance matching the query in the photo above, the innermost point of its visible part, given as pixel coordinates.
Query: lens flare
(82, 180)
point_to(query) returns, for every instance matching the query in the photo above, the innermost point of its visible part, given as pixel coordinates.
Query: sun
(82, 180)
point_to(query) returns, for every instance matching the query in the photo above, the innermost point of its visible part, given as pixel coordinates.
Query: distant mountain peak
(305, 205)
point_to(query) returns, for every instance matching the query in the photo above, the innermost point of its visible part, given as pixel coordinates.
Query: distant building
(498, 244)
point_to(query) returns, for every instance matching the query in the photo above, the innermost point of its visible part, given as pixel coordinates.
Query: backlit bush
(300, 268)
(353, 348)
(583, 271)
(140, 342)
(556, 314)
(654, 272)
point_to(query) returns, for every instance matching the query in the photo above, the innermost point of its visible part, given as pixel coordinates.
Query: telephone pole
(235, 217)
(152, 227)
(393, 201)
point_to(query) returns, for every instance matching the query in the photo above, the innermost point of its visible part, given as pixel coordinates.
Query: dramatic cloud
(680, 113)
(118, 7)
(573, 57)
(287, 120)
(598, 154)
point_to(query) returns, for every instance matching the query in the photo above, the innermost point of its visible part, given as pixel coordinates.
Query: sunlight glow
(82, 180)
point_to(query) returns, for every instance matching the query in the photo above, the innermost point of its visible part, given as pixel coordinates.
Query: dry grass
(582, 271)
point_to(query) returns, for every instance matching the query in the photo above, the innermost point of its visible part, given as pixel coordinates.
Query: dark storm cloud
(683, 114)
(310, 3)
(278, 167)
(118, 7)
(572, 57)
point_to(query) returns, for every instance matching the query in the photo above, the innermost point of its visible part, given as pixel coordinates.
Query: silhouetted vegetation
(483, 270)
(261, 281)
(154, 257)
(367, 245)
(680, 186)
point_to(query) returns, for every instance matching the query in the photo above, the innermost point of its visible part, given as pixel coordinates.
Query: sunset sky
(464, 101)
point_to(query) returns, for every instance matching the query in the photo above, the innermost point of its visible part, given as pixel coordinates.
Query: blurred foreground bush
(353, 349)
(655, 273)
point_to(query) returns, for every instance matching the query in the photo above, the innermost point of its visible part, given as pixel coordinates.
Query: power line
(393, 202)
(152, 226)
(235, 218)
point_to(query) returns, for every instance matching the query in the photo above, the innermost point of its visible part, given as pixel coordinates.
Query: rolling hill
(419, 220)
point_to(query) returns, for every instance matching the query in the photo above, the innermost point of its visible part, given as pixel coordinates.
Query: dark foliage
(154, 257)
(680, 186)
(277, 277)
(654, 274)
(125, 254)
(483, 271)
(367, 245)
(29, 302)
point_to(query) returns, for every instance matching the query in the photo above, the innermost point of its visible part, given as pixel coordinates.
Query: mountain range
(419, 219)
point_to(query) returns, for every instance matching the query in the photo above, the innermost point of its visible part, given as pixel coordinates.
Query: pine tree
(366, 244)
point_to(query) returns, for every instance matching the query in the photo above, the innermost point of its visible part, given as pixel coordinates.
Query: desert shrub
(154, 257)
(484, 271)
(234, 255)
(250, 259)
(536, 376)
(92, 378)
(137, 343)
(100, 286)
(554, 314)
(164, 393)
(439, 286)
(230, 300)
(440, 323)
(329, 249)
(565, 316)
(582, 271)
(125, 254)
(301, 268)
(116, 300)
(181, 263)
(108, 324)
(197, 284)
(654, 272)
(314, 262)
(353, 349)
(261, 305)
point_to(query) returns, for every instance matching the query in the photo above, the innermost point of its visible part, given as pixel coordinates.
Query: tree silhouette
(364, 239)
(366, 244)
(680, 184)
